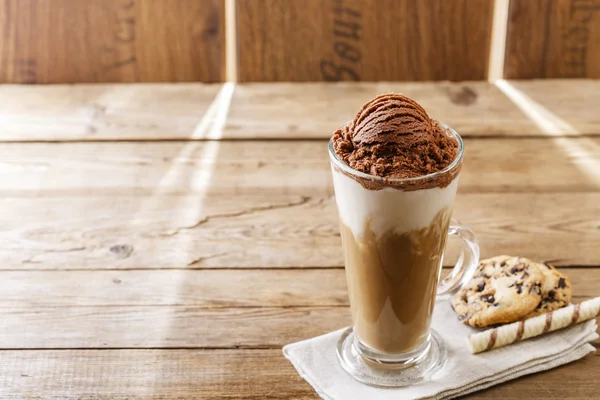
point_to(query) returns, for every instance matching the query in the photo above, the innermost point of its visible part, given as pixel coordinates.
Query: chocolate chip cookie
(503, 289)
(556, 291)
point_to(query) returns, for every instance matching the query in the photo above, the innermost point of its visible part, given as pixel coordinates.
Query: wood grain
(278, 168)
(277, 111)
(315, 40)
(478, 109)
(71, 41)
(203, 289)
(269, 231)
(318, 109)
(218, 374)
(193, 322)
(211, 289)
(103, 112)
(553, 39)
(165, 327)
(566, 112)
(238, 204)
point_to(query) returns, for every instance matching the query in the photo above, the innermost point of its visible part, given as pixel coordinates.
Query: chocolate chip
(514, 269)
(503, 264)
(519, 288)
(480, 287)
(535, 288)
(525, 275)
(496, 304)
(551, 294)
(488, 298)
(561, 283)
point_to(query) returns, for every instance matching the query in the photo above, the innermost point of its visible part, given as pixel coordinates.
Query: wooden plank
(473, 108)
(254, 168)
(103, 112)
(219, 374)
(211, 289)
(374, 40)
(194, 322)
(165, 327)
(553, 39)
(563, 109)
(205, 289)
(316, 110)
(274, 111)
(71, 41)
(269, 231)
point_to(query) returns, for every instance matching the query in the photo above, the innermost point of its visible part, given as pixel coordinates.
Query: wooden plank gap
(324, 268)
(230, 41)
(287, 139)
(208, 348)
(176, 306)
(498, 40)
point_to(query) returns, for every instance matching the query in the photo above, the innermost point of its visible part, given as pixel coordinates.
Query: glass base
(409, 371)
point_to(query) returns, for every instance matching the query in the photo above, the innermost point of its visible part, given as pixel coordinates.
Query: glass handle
(466, 263)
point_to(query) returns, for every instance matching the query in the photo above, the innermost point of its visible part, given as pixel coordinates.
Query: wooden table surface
(165, 241)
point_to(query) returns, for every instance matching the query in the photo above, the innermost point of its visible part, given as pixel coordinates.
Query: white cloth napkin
(316, 361)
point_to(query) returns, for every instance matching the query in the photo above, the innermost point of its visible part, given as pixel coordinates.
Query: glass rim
(348, 169)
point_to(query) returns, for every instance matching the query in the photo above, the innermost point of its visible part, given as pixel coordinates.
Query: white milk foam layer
(388, 209)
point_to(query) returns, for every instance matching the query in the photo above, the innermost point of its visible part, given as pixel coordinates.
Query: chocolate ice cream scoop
(390, 118)
(392, 136)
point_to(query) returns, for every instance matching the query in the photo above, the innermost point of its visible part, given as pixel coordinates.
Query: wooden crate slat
(553, 39)
(374, 40)
(73, 41)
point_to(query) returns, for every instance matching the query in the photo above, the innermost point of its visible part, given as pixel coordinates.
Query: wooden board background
(70, 41)
(553, 39)
(314, 40)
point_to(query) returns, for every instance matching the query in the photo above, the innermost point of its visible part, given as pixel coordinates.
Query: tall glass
(394, 233)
